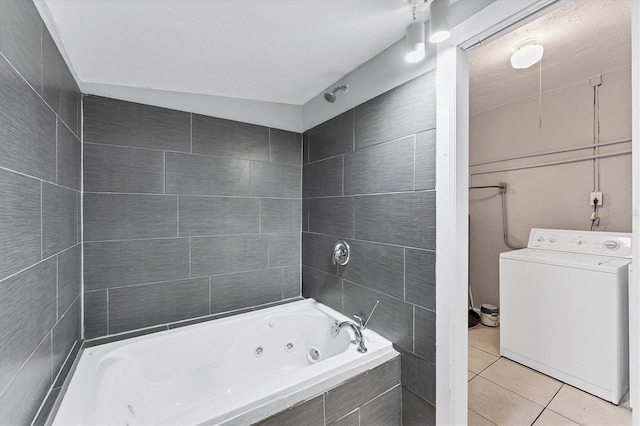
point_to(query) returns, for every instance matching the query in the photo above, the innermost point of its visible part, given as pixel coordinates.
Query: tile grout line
(158, 194)
(41, 223)
(516, 393)
(196, 154)
(57, 289)
(39, 179)
(480, 415)
(108, 328)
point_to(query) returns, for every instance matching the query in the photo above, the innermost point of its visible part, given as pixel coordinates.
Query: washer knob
(611, 245)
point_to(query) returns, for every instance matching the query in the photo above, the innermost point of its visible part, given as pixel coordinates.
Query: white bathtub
(210, 373)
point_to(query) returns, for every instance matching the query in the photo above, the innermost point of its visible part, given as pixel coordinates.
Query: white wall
(553, 196)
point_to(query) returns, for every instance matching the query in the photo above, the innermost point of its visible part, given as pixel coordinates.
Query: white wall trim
(634, 279)
(452, 205)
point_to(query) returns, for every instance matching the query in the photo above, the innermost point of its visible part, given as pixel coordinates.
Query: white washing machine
(564, 308)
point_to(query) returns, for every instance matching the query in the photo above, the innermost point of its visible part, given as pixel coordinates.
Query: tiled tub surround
(369, 178)
(40, 242)
(239, 370)
(185, 216)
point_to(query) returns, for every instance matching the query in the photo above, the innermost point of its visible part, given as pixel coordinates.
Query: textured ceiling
(581, 39)
(270, 50)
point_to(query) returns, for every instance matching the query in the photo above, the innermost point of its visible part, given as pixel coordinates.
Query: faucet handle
(361, 322)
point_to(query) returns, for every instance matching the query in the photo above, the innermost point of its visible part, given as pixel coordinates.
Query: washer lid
(606, 264)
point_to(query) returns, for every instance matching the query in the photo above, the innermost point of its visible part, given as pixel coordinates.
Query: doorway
(452, 142)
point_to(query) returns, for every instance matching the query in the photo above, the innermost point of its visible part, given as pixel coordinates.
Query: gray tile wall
(371, 398)
(185, 216)
(369, 178)
(40, 265)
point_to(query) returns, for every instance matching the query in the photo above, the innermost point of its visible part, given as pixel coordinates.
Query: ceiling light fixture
(438, 23)
(528, 52)
(415, 42)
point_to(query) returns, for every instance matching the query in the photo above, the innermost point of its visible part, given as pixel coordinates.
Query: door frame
(452, 201)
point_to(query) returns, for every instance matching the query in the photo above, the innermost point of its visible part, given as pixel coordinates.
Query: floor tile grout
(482, 416)
(509, 390)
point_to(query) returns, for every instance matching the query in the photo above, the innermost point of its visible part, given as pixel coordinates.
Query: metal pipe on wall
(555, 151)
(552, 163)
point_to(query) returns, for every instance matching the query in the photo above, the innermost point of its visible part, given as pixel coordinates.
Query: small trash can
(489, 315)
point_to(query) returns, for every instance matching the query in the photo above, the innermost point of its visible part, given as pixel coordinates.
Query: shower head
(331, 96)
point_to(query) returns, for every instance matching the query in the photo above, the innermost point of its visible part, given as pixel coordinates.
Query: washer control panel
(615, 244)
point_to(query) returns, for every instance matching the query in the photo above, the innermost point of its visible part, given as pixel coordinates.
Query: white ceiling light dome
(529, 53)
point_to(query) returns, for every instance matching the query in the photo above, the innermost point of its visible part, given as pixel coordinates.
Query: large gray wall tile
(309, 413)
(357, 391)
(280, 215)
(60, 212)
(226, 138)
(124, 217)
(152, 304)
(291, 277)
(317, 250)
(425, 344)
(95, 314)
(228, 254)
(426, 160)
(235, 291)
(284, 249)
(392, 319)
(416, 411)
(419, 376)
(28, 128)
(59, 88)
(69, 157)
(204, 175)
(27, 316)
(20, 35)
(376, 266)
(19, 222)
(420, 276)
(275, 180)
(19, 403)
(405, 110)
(64, 335)
(69, 277)
(120, 263)
(324, 288)
(115, 122)
(384, 410)
(117, 169)
(383, 168)
(333, 216)
(404, 219)
(285, 147)
(322, 179)
(201, 216)
(333, 137)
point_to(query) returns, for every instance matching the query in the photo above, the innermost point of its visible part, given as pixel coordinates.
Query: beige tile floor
(502, 392)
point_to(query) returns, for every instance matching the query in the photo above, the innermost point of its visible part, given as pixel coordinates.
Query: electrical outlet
(595, 195)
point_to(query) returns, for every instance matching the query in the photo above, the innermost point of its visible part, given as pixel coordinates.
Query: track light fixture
(415, 42)
(438, 23)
